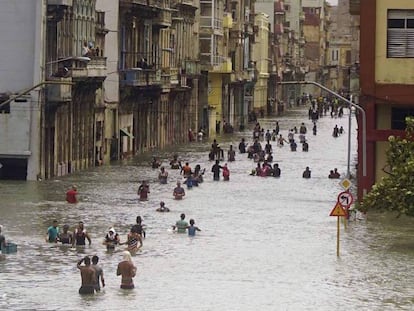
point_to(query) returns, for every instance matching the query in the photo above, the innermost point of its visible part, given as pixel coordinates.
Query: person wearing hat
(65, 237)
(162, 208)
(71, 195)
(111, 239)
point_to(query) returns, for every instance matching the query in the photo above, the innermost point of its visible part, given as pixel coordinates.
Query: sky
(333, 2)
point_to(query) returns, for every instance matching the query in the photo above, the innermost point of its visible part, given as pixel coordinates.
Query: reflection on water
(266, 243)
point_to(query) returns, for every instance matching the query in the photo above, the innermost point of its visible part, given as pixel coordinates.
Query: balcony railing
(218, 63)
(146, 3)
(189, 3)
(96, 67)
(209, 22)
(138, 77)
(60, 2)
(169, 77)
(191, 67)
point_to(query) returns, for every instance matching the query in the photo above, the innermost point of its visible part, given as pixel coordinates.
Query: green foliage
(395, 192)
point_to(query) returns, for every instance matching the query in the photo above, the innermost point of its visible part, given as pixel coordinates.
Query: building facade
(86, 82)
(20, 70)
(315, 30)
(386, 67)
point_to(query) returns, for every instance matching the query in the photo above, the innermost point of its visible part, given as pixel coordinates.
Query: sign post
(338, 211)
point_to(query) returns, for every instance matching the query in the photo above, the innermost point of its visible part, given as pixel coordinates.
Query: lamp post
(364, 124)
(78, 58)
(24, 92)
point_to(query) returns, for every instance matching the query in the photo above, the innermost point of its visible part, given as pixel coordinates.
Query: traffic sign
(338, 210)
(345, 183)
(345, 199)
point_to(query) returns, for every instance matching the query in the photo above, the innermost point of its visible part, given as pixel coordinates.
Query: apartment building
(386, 80)
(53, 71)
(315, 30)
(339, 49)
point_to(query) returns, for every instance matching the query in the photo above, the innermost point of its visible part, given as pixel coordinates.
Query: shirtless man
(87, 275)
(179, 192)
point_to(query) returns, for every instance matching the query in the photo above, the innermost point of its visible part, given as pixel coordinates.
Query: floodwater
(266, 243)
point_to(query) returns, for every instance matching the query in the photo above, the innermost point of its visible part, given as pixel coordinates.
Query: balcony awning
(124, 132)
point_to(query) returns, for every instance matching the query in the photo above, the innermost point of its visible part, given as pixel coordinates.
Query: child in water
(192, 229)
(226, 173)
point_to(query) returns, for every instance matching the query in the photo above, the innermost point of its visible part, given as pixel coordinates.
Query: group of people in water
(92, 275)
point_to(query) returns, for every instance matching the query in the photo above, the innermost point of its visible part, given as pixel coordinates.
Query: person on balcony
(86, 52)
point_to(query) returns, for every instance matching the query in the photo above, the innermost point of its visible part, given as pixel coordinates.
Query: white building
(53, 113)
(21, 62)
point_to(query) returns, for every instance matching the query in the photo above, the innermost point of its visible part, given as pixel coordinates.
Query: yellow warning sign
(338, 210)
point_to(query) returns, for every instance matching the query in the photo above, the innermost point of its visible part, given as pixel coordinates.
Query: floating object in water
(10, 248)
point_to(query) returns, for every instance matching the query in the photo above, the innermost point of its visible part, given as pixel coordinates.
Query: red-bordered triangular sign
(338, 210)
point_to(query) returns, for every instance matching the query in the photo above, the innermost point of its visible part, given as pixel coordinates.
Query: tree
(395, 192)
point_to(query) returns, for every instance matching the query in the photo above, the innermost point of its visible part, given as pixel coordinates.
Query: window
(398, 116)
(287, 7)
(334, 55)
(348, 57)
(400, 34)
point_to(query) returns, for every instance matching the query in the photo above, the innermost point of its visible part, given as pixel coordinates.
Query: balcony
(137, 6)
(56, 9)
(302, 16)
(279, 8)
(227, 21)
(221, 64)
(169, 77)
(163, 19)
(95, 68)
(60, 2)
(208, 22)
(137, 77)
(59, 92)
(191, 4)
(190, 68)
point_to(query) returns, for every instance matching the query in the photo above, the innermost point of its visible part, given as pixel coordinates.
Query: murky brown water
(266, 244)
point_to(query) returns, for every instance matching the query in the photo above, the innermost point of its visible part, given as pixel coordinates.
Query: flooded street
(266, 243)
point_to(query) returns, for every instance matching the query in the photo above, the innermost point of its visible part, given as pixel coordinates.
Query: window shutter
(410, 42)
(397, 39)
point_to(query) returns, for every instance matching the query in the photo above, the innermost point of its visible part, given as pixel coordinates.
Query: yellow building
(387, 80)
(261, 61)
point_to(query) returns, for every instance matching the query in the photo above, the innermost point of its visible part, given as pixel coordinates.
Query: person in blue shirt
(192, 229)
(52, 233)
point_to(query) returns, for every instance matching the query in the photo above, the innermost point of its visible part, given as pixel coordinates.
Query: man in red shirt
(71, 195)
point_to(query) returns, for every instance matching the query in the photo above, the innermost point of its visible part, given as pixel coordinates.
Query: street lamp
(78, 58)
(26, 91)
(364, 124)
(82, 59)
